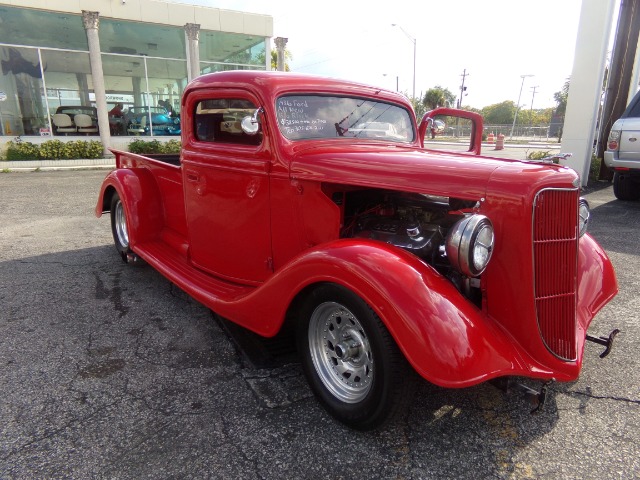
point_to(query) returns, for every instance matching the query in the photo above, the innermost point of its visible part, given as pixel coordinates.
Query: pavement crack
(614, 398)
(57, 431)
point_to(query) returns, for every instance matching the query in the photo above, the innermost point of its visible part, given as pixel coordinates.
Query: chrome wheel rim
(340, 352)
(121, 225)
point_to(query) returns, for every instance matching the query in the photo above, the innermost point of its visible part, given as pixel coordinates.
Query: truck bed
(171, 158)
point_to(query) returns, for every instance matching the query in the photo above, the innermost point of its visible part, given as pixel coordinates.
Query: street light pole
(518, 105)
(413, 40)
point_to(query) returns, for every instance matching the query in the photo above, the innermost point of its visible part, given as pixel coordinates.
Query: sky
(494, 41)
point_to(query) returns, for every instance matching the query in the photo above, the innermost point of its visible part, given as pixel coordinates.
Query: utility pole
(533, 95)
(518, 105)
(462, 87)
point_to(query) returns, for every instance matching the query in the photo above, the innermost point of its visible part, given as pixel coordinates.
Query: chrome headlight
(584, 213)
(470, 244)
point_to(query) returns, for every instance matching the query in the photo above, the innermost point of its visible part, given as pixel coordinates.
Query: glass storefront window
(68, 78)
(24, 112)
(233, 48)
(132, 38)
(135, 83)
(36, 28)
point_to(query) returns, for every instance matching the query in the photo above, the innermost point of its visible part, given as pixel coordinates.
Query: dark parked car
(137, 121)
(63, 125)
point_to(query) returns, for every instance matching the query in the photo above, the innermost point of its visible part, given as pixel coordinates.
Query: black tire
(624, 187)
(119, 227)
(363, 386)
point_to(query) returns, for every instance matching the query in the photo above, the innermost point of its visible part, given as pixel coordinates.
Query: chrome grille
(555, 256)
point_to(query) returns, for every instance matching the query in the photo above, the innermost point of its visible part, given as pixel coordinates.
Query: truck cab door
(226, 187)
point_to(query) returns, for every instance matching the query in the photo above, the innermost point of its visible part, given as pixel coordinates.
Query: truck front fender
(141, 198)
(447, 339)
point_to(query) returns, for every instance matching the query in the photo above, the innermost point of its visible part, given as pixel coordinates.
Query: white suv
(623, 152)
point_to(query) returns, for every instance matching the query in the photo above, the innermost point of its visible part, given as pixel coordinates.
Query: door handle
(192, 176)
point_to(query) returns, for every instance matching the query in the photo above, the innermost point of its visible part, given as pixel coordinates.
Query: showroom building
(116, 59)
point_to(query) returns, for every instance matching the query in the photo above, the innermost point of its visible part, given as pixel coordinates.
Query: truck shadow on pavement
(99, 356)
(614, 223)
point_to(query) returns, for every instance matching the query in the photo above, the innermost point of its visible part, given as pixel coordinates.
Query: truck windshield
(303, 117)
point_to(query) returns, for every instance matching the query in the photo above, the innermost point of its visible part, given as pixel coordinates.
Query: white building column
(91, 22)
(192, 31)
(585, 88)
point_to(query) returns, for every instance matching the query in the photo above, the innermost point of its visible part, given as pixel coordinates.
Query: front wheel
(119, 227)
(351, 361)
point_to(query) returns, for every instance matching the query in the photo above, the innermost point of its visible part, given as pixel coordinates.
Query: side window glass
(218, 121)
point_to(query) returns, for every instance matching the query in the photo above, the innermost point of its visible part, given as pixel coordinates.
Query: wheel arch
(446, 339)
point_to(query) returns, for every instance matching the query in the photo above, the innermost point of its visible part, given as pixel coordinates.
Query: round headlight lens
(470, 244)
(584, 213)
(482, 247)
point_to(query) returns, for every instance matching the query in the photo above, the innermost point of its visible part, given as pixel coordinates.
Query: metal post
(515, 116)
(464, 76)
(531, 108)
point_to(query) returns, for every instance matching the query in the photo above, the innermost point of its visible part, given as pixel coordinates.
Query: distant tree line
(497, 114)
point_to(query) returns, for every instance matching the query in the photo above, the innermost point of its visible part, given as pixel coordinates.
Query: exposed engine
(417, 223)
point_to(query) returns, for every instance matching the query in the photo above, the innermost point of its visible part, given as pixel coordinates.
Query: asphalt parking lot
(109, 371)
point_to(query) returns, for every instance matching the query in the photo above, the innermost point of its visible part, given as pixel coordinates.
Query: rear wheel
(119, 227)
(351, 361)
(624, 187)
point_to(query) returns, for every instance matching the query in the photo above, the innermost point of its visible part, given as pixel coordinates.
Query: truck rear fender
(448, 340)
(143, 205)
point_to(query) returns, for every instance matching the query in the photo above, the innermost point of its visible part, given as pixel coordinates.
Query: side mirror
(450, 129)
(250, 124)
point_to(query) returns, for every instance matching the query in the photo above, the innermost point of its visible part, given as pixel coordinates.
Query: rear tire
(624, 187)
(119, 227)
(351, 362)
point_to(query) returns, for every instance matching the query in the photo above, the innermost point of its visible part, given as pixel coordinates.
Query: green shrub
(144, 147)
(172, 146)
(20, 150)
(539, 155)
(83, 149)
(53, 150)
(594, 169)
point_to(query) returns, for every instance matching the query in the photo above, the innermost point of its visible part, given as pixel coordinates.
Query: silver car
(623, 152)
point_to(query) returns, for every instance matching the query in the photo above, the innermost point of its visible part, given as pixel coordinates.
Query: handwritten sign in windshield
(297, 119)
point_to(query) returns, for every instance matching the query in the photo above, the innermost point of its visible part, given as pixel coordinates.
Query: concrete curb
(76, 164)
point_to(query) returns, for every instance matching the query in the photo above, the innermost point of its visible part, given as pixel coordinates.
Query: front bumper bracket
(536, 398)
(606, 342)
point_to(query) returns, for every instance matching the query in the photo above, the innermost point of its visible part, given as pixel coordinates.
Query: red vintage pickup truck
(315, 203)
